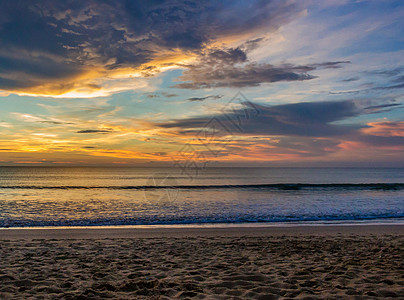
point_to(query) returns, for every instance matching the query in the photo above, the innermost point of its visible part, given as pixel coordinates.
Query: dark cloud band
(43, 41)
(231, 68)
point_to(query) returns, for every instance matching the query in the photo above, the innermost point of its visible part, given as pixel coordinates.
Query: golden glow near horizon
(111, 85)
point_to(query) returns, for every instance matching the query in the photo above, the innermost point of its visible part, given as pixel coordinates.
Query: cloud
(81, 48)
(55, 122)
(351, 79)
(305, 147)
(231, 68)
(294, 131)
(213, 97)
(159, 95)
(5, 124)
(169, 95)
(377, 141)
(396, 82)
(388, 73)
(94, 131)
(381, 107)
(151, 96)
(329, 65)
(399, 79)
(385, 129)
(311, 119)
(390, 87)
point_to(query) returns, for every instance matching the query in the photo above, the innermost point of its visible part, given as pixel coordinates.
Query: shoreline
(151, 231)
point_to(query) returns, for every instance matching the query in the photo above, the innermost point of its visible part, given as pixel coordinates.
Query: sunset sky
(143, 83)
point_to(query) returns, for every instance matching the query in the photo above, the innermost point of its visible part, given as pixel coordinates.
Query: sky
(224, 83)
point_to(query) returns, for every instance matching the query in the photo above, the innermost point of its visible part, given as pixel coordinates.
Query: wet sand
(305, 262)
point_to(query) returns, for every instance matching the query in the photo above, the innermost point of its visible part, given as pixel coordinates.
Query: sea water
(97, 196)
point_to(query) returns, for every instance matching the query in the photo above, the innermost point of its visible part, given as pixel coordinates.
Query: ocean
(116, 196)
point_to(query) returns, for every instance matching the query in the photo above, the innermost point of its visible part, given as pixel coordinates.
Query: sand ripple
(356, 267)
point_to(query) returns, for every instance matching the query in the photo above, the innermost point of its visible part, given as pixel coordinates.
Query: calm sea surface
(87, 196)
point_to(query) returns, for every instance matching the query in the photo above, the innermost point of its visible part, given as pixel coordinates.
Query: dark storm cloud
(231, 68)
(14, 83)
(44, 40)
(36, 64)
(31, 49)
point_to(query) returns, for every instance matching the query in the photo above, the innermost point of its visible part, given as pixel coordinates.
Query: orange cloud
(385, 129)
(351, 145)
(100, 81)
(128, 154)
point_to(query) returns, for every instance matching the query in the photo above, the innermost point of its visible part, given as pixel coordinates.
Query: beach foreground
(310, 262)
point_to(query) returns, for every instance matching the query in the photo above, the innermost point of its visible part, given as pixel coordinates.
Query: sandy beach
(304, 262)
